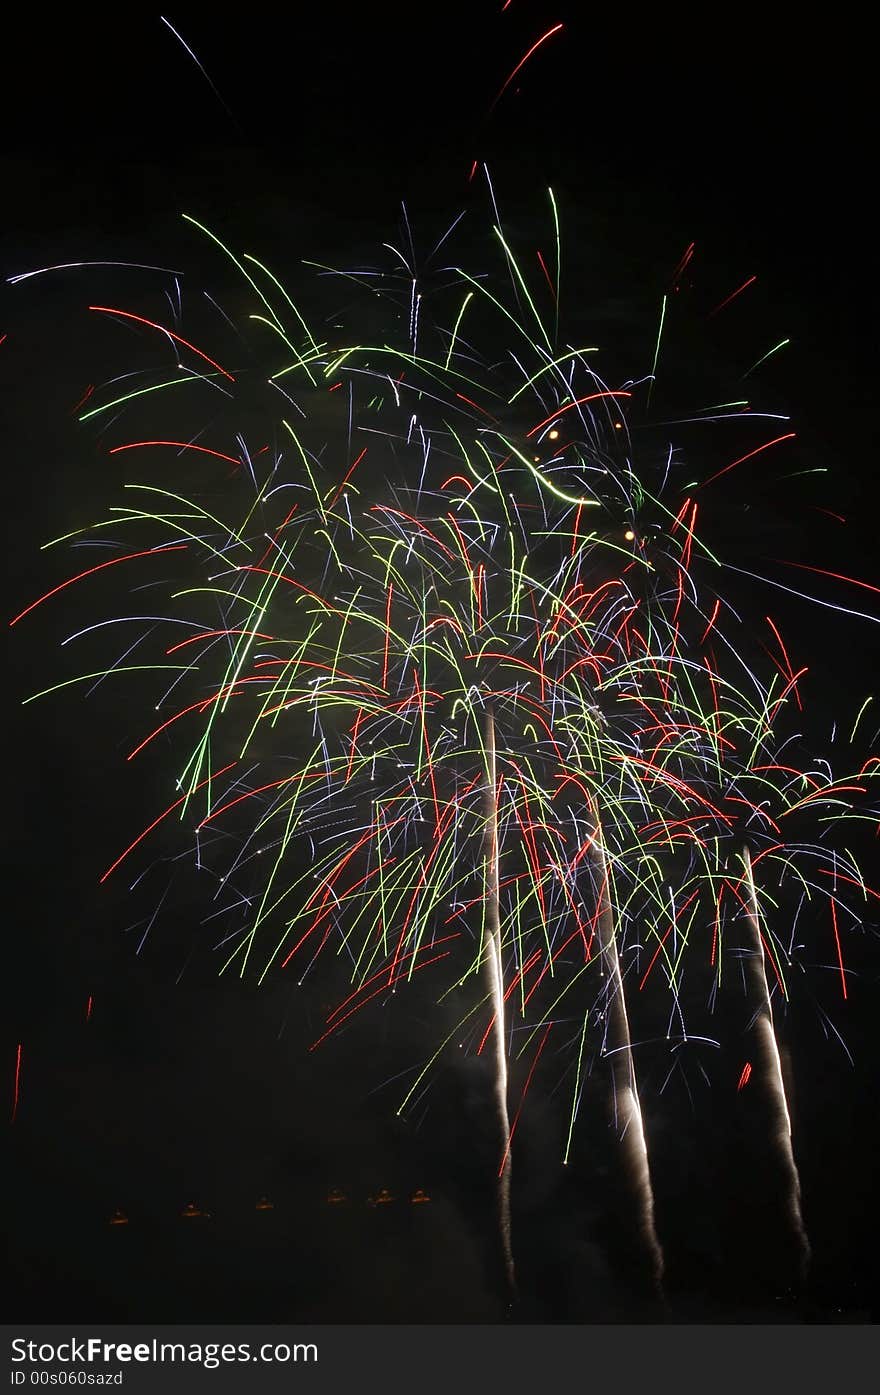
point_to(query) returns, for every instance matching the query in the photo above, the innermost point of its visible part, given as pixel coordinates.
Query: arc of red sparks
(15, 1088)
(171, 807)
(788, 436)
(536, 45)
(578, 402)
(152, 324)
(90, 571)
(182, 445)
(383, 988)
(523, 1100)
(836, 576)
(733, 295)
(837, 945)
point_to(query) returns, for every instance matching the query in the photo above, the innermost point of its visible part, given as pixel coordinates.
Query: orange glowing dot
(630, 535)
(553, 435)
(618, 426)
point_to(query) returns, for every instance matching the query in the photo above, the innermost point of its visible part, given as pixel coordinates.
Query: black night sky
(299, 139)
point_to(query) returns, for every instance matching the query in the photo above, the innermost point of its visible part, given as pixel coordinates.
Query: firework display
(446, 686)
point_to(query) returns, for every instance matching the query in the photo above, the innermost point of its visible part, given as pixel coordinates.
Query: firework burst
(448, 684)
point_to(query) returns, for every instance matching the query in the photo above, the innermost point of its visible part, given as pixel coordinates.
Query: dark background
(754, 142)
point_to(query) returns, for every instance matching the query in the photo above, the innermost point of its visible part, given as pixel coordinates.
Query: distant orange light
(191, 1212)
(630, 535)
(381, 1198)
(553, 435)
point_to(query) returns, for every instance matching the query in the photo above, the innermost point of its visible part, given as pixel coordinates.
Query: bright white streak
(627, 1110)
(495, 982)
(771, 1066)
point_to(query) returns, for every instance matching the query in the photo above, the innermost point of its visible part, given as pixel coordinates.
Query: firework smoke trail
(618, 1048)
(495, 981)
(769, 1065)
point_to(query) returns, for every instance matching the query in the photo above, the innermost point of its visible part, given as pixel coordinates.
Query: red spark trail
(682, 266)
(788, 662)
(574, 536)
(578, 402)
(732, 296)
(381, 989)
(193, 707)
(127, 315)
(672, 925)
(398, 513)
(182, 445)
(852, 880)
(791, 684)
(546, 273)
(282, 576)
(423, 876)
(837, 576)
(354, 736)
(347, 477)
(477, 408)
(148, 552)
(411, 954)
(16, 1085)
(837, 943)
(421, 699)
(215, 634)
(387, 636)
(537, 44)
(789, 436)
(523, 1100)
(176, 805)
(248, 794)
